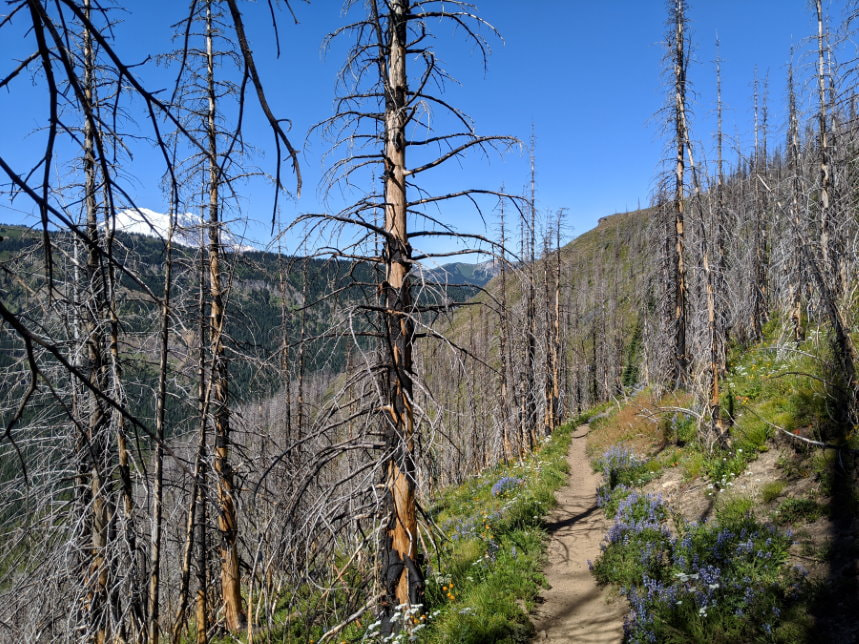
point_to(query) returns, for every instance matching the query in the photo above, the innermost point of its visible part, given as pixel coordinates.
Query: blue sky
(588, 75)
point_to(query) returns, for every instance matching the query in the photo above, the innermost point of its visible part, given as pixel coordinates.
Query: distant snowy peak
(190, 229)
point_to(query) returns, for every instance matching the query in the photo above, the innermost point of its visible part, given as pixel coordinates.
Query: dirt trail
(574, 608)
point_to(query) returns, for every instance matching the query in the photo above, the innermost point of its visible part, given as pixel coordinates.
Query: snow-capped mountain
(188, 230)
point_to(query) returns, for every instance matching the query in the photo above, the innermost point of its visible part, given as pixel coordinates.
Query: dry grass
(639, 423)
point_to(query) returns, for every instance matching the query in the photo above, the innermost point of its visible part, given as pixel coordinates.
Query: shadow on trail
(554, 526)
(837, 602)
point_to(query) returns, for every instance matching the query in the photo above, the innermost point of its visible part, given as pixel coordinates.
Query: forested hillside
(359, 439)
(278, 301)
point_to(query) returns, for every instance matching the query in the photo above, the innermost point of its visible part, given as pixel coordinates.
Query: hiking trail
(574, 608)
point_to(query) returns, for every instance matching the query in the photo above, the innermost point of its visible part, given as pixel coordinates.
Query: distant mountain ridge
(478, 274)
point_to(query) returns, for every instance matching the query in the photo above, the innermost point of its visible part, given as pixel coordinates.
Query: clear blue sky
(587, 74)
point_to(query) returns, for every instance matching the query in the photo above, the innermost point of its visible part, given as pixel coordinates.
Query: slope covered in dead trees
(590, 321)
(198, 443)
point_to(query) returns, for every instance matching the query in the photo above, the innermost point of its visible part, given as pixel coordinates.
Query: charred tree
(679, 60)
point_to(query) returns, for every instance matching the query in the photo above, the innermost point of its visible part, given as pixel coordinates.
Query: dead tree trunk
(153, 627)
(796, 272)
(830, 273)
(503, 335)
(227, 519)
(556, 330)
(95, 449)
(201, 600)
(531, 311)
(402, 566)
(827, 213)
(679, 60)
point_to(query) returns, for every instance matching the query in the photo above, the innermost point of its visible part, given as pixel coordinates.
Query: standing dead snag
(530, 388)
(830, 274)
(380, 121)
(552, 328)
(796, 272)
(760, 215)
(402, 569)
(503, 341)
(227, 520)
(677, 46)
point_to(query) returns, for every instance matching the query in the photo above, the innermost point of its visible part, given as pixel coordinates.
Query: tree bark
(681, 357)
(153, 628)
(234, 614)
(402, 566)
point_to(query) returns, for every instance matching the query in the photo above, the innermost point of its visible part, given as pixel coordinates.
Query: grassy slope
(767, 478)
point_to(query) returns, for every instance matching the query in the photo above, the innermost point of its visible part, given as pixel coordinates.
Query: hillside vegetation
(209, 443)
(751, 541)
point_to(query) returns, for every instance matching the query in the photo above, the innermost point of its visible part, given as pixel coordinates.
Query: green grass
(491, 560)
(771, 388)
(771, 490)
(796, 510)
(732, 510)
(766, 389)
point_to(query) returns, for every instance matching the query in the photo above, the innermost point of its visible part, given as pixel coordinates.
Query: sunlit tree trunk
(201, 599)
(227, 519)
(402, 566)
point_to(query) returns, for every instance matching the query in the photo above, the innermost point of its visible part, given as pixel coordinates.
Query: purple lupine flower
(506, 484)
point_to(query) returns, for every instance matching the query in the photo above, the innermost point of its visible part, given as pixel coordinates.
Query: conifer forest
(266, 410)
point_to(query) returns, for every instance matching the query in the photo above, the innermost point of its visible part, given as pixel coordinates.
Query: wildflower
(506, 484)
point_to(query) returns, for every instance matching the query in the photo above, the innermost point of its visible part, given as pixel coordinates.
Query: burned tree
(678, 53)
(91, 571)
(386, 103)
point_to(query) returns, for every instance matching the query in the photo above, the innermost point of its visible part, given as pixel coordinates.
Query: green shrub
(679, 429)
(795, 510)
(731, 510)
(772, 490)
(723, 466)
